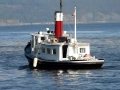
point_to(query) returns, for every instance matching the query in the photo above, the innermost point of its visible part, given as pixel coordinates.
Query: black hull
(42, 64)
(63, 65)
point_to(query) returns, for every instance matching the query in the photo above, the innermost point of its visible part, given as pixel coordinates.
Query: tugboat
(57, 50)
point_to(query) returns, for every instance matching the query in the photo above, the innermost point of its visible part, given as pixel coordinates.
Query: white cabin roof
(83, 44)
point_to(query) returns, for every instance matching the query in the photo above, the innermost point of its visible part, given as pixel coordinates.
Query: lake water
(16, 75)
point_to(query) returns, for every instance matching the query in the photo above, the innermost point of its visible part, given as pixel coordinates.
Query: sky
(38, 11)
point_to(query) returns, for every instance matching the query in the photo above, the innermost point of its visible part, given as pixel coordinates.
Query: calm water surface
(16, 75)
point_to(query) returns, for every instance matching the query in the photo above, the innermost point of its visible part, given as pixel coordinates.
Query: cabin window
(43, 50)
(54, 51)
(82, 50)
(43, 38)
(48, 50)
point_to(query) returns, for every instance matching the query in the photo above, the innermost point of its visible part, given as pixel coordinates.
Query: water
(16, 75)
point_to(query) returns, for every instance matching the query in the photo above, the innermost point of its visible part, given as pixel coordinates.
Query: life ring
(54, 40)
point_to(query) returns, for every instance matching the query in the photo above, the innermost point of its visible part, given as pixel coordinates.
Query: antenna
(60, 5)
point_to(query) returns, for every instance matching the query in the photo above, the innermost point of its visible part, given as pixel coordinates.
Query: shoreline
(51, 23)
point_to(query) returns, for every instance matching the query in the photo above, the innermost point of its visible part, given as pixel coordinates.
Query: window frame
(82, 50)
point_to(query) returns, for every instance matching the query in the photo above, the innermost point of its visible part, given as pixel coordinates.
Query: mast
(75, 21)
(61, 5)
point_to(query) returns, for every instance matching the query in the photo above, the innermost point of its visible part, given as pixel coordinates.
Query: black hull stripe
(61, 65)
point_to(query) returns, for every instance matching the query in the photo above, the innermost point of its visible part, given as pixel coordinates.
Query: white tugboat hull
(71, 64)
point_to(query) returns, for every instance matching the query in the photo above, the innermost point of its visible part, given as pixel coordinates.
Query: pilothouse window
(82, 50)
(54, 51)
(48, 50)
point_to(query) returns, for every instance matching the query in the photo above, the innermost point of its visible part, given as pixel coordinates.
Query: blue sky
(88, 11)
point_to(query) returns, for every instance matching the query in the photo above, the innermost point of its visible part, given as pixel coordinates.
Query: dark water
(15, 74)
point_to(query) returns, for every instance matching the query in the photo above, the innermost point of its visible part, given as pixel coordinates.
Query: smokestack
(58, 24)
